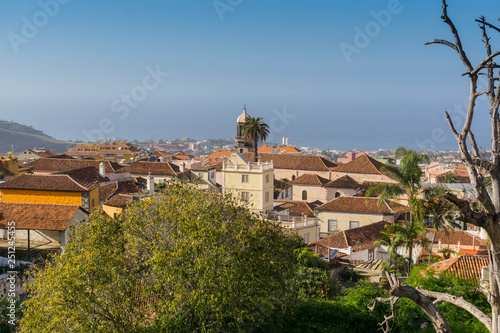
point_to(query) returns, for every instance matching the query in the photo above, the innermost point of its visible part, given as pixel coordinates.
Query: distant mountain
(24, 137)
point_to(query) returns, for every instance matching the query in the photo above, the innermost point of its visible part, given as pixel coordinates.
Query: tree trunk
(255, 146)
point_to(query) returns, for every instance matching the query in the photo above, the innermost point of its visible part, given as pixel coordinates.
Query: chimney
(182, 167)
(150, 185)
(102, 171)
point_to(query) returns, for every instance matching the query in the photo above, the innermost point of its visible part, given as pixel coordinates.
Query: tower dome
(243, 117)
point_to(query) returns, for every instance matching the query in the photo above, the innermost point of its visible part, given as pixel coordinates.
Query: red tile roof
(309, 179)
(87, 176)
(343, 182)
(461, 266)
(62, 164)
(161, 153)
(118, 187)
(52, 182)
(456, 236)
(363, 164)
(155, 168)
(361, 238)
(297, 208)
(37, 216)
(120, 200)
(360, 205)
(295, 161)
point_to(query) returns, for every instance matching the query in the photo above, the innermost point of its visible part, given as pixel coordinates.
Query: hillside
(26, 137)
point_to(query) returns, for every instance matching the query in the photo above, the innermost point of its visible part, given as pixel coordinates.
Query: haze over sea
(350, 74)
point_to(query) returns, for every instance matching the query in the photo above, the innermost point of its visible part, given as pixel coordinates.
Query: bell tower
(242, 146)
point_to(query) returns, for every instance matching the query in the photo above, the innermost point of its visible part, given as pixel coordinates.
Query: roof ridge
(77, 183)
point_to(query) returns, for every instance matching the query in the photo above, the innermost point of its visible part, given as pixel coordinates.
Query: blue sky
(282, 58)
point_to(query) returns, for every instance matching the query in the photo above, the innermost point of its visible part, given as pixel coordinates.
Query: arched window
(337, 194)
(304, 195)
(293, 177)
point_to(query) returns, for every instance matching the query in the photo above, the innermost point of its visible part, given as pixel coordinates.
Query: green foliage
(349, 275)
(189, 261)
(254, 130)
(307, 258)
(410, 318)
(450, 177)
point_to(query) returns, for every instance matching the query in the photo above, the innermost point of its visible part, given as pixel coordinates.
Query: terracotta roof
(295, 161)
(43, 153)
(120, 200)
(161, 153)
(363, 164)
(456, 236)
(269, 149)
(155, 168)
(118, 187)
(62, 164)
(37, 216)
(461, 266)
(52, 182)
(87, 176)
(365, 186)
(361, 238)
(297, 208)
(343, 182)
(359, 205)
(309, 179)
(220, 153)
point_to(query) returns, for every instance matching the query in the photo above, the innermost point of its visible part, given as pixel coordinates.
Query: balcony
(294, 222)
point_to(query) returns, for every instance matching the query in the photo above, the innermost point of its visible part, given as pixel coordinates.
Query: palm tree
(442, 217)
(255, 130)
(391, 239)
(408, 177)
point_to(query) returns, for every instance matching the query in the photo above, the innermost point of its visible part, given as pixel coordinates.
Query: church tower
(242, 146)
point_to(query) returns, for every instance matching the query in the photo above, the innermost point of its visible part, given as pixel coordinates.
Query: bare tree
(488, 214)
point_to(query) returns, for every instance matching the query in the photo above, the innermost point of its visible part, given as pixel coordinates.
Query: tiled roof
(295, 161)
(118, 187)
(86, 176)
(62, 164)
(155, 168)
(363, 164)
(360, 205)
(297, 208)
(309, 179)
(43, 153)
(161, 153)
(220, 153)
(52, 182)
(361, 238)
(462, 266)
(120, 200)
(269, 149)
(37, 216)
(343, 182)
(365, 186)
(456, 236)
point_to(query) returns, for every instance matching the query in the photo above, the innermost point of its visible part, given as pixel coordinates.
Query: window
(245, 195)
(267, 197)
(293, 177)
(244, 178)
(267, 178)
(337, 194)
(353, 224)
(304, 195)
(332, 225)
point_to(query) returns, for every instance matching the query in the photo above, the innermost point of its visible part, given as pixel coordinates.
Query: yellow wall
(112, 211)
(42, 197)
(94, 194)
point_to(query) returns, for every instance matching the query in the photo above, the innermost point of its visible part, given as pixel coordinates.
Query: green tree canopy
(188, 261)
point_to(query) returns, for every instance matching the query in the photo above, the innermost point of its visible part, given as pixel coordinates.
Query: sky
(330, 74)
